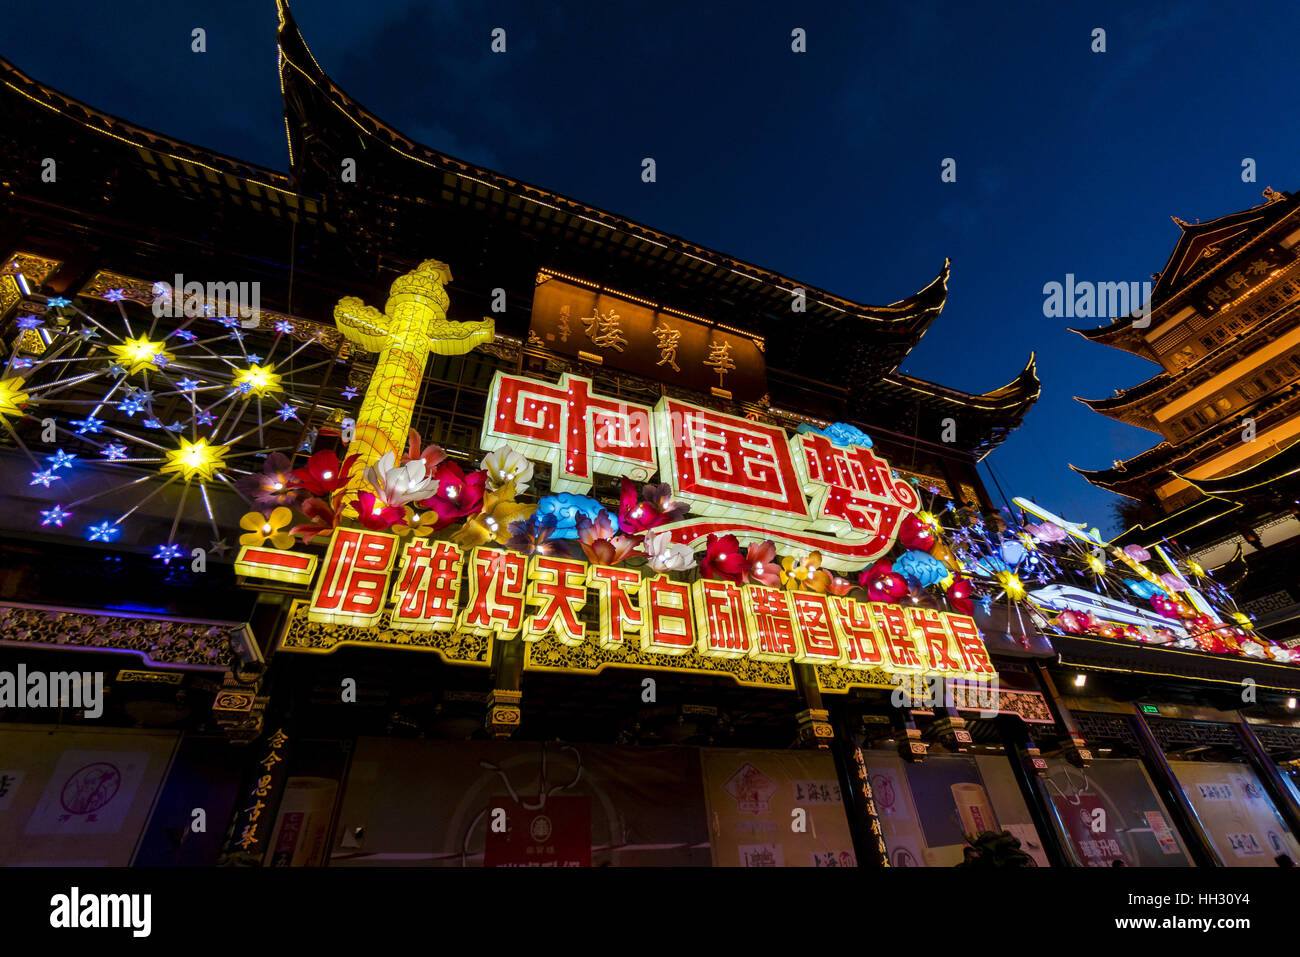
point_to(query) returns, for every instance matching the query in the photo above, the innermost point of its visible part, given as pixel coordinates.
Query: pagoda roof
(1283, 464)
(1201, 249)
(512, 220)
(1132, 477)
(1125, 404)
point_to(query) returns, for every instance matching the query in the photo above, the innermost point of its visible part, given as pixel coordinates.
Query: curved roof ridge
(914, 313)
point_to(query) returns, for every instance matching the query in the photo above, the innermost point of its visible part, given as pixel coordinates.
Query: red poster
(1087, 819)
(556, 835)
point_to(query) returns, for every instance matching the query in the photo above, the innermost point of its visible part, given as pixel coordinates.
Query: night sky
(823, 166)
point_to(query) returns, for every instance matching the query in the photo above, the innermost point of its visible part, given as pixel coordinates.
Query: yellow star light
(198, 459)
(1012, 584)
(12, 396)
(139, 354)
(258, 380)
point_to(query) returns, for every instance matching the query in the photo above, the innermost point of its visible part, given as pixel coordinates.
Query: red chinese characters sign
(437, 586)
(738, 476)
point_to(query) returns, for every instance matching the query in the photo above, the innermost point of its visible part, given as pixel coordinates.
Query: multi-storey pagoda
(1224, 323)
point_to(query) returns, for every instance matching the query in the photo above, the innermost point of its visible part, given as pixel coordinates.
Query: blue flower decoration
(841, 433)
(921, 566)
(1142, 589)
(567, 508)
(1013, 553)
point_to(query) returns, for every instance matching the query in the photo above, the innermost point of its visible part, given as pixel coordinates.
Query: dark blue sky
(824, 166)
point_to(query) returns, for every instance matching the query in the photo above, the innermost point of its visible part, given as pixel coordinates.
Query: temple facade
(427, 517)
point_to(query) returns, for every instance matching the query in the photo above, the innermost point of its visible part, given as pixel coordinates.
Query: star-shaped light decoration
(131, 405)
(204, 417)
(88, 332)
(58, 302)
(23, 363)
(185, 334)
(151, 423)
(44, 478)
(113, 451)
(349, 393)
(187, 384)
(253, 358)
(103, 532)
(140, 353)
(12, 396)
(195, 459)
(54, 515)
(166, 553)
(218, 547)
(30, 322)
(284, 327)
(308, 441)
(287, 412)
(175, 426)
(257, 380)
(60, 459)
(228, 321)
(115, 295)
(88, 424)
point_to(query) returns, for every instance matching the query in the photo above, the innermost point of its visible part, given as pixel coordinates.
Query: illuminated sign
(596, 325)
(738, 476)
(369, 581)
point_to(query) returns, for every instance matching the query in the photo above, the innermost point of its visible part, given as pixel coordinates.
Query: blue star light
(349, 393)
(308, 441)
(187, 384)
(44, 478)
(204, 417)
(117, 370)
(131, 405)
(30, 322)
(152, 424)
(283, 327)
(113, 451)
(103, 532)
(60, 459)
(88, 424)
(253, 359)
(228, 321)
(88, 332)
(23, 363)
(58, 302)
(115, 295)
(175, 427)
(54, 515)
(287, 412)
(166, 553)
(185, 334)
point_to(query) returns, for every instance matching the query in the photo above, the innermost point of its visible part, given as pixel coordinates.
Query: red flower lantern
(723, 558)
(915, 534)
(959, 596)
(883, 583)
(1163, 605)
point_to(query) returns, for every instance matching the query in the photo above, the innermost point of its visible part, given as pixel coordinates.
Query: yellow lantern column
(413, 324)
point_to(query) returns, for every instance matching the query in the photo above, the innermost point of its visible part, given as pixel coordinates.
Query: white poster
(89, 792)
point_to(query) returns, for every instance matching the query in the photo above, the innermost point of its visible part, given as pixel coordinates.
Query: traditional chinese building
(425, 516)
(1224, 325)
